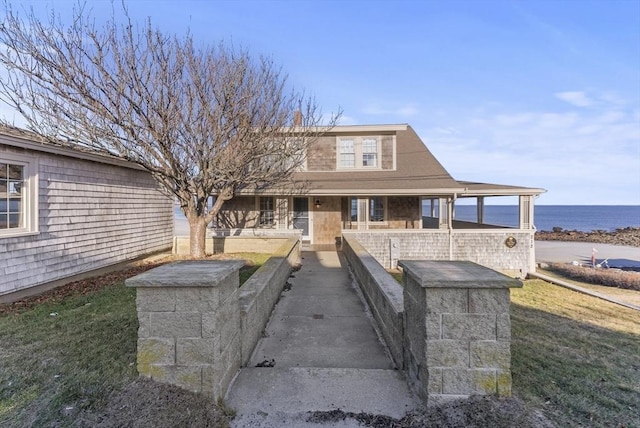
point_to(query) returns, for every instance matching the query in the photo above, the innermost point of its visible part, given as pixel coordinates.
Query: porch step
(292, 391)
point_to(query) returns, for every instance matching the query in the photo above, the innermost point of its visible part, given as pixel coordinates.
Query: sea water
(569, 217)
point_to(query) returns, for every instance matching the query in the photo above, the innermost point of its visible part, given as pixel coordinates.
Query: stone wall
(260, 293)
(90, 215)
(189, 332)
(197, 327)
(485, 247)
(383, 295)
(457, 329)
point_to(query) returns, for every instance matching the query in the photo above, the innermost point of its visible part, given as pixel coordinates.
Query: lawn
(65, 354)
(575, 357)
(70, 360)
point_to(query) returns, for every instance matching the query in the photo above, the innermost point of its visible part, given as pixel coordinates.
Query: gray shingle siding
(90, 215)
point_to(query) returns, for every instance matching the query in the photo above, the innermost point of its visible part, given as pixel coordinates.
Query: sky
(535, 93)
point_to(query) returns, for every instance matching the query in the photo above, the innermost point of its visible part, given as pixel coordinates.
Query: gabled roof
(417, 172)
(28, 140)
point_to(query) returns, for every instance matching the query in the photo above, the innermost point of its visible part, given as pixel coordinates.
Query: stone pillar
(457, 329)
(189, 332)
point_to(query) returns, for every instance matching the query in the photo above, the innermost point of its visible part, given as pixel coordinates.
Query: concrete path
(327, 355)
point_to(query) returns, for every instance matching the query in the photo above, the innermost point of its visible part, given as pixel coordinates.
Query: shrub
(609, 277)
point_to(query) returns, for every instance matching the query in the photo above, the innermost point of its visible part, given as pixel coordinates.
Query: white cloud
(577, 98)
(581, 157)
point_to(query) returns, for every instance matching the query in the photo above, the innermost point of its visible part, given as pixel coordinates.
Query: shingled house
(372, 182)
(64, 212)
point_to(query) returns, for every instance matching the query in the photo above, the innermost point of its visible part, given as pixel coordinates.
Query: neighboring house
(371, 183)
(64, 212)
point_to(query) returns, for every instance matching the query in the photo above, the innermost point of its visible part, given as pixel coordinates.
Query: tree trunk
(197, 236)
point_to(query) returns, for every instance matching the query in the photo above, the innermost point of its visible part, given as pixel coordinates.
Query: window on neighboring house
(347, 154)
(369, 152)
(18, 209)
(376, 209)
(266, 211)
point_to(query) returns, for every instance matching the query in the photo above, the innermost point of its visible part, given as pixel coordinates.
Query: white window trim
(367, 214)
(31, 210)
(258, 210)
(357, 144)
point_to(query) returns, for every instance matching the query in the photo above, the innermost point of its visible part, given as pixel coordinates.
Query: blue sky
(534, 93)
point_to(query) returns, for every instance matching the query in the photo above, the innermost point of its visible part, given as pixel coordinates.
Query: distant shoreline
(629, 236)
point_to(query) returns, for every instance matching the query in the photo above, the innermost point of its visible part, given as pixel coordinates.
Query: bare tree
(203, 120)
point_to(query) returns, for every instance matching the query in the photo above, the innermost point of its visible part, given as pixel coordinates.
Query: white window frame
(30, 191)
(342, 153)
(366, 144)
(273, 224)
(364, 218)
(359, 153)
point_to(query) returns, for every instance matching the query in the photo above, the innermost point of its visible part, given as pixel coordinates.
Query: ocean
(584, 218)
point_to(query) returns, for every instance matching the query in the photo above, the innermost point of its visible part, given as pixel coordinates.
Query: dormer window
(369, 152)
(347, 154)
(358, 152)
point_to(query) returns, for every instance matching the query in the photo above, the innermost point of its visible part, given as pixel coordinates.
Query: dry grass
(576, 357)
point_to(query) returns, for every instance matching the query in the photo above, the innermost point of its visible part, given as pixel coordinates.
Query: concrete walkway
(325, 354)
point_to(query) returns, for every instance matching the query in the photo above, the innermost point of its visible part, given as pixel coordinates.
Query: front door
(301, 216)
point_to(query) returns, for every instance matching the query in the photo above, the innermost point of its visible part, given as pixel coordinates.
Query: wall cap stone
(187, 273)
(455, 274)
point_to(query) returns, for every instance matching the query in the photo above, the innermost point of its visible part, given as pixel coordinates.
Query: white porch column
(526, 212)
(444, 213)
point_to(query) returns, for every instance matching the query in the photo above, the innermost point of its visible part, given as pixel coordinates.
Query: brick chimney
(297, 118)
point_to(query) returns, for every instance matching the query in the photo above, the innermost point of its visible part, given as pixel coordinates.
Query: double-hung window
(266, 211)
(369, 152)
(376, 209)
(358, 153)
(347, 154)
(18, 202)
(370, 210)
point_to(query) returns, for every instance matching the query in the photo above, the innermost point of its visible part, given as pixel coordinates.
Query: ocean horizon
(584, 218)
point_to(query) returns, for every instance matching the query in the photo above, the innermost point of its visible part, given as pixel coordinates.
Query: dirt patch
(145, 403)
(476, 411)
(629, 236)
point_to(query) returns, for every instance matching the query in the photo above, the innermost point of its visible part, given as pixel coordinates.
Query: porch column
(444, 213)
(480, 207)
(433, 207)
(526, 212)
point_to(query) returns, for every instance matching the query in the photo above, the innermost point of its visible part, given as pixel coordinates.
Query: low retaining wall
(196, 326)
(383, 294)
(457, 329)
(260, 293)
(487, 247)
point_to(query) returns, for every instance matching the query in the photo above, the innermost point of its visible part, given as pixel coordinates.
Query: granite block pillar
(457, 329)
(189, 332)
